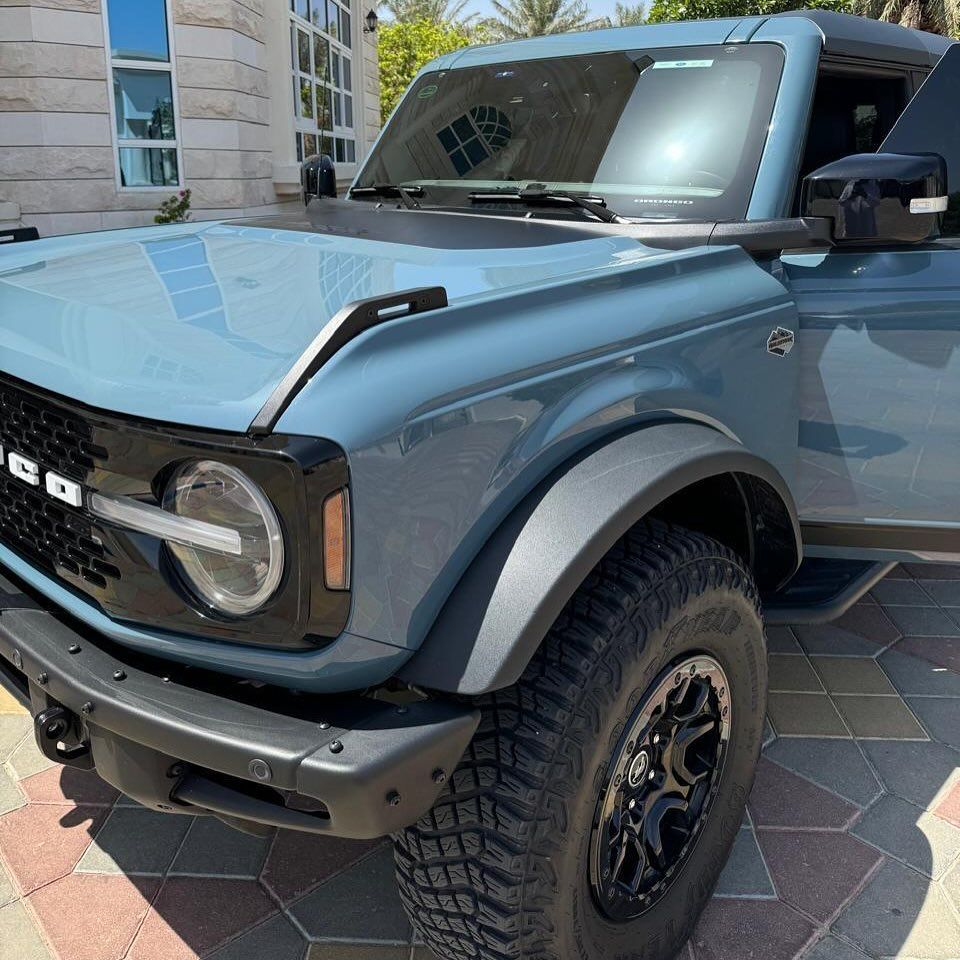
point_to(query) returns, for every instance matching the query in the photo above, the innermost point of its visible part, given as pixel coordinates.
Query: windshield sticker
(682, 64)
(427, 92)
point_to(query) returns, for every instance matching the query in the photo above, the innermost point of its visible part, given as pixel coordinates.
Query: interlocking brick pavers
(817, 872)
(805, 715)
(901, 913)
(832, 864)
(837, 765)
(921, 840)
(746, 873)
(93, 917)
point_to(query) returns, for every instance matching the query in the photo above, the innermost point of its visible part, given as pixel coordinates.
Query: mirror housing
(319, 177)
(879, 198)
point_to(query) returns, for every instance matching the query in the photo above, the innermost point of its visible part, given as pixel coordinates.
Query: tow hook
(56, 733)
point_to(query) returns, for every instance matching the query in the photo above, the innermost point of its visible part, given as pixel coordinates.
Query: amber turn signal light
(336, 541)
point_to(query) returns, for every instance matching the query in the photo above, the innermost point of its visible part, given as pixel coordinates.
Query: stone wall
(235, 119)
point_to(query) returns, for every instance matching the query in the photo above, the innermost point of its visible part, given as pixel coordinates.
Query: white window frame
(168, 67)
(354, 52)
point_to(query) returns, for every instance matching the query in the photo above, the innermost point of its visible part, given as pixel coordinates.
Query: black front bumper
(184, 740)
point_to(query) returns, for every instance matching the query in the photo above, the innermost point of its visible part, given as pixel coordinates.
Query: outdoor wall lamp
(372, 21)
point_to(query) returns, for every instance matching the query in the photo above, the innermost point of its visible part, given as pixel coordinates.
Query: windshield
(674, 133)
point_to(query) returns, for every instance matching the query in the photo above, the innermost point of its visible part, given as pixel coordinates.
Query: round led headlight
(235, 583)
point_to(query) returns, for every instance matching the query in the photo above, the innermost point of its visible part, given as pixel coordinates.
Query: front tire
(542, 845)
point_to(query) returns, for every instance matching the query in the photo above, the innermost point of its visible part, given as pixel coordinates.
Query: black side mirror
(879, 197)
(319, 177)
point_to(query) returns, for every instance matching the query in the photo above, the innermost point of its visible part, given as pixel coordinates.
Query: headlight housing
(214, 493)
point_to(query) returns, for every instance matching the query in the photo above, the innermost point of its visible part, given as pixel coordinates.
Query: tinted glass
(321, 57)
(148, 167)
(303, 51)
(323, 107)
(675, 133)
(929, 125)
(306, 100)
(138, 29)
(345, 28)
(144, 102)
(301, 8)
(333, 19)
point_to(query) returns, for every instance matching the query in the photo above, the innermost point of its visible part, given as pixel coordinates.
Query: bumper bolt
(439, 776)
(87, 708)
(73, 648)
(260, 770)
(336, 747)
(119, 675)
(42, 679)
(393, 798)
(17, 660)
(324, 725)
(175, 771)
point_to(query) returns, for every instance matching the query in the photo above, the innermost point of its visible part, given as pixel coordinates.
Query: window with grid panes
(320, 41)
(142, 76)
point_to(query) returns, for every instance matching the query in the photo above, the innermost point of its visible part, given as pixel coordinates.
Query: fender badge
(780, 342)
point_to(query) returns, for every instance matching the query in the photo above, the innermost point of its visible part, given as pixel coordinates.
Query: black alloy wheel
(661, 783)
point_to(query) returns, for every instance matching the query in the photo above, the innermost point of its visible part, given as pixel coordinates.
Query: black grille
(56, 439)
(54, 537)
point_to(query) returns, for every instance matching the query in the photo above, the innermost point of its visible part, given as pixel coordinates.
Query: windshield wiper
(551, 198)
(397, 191)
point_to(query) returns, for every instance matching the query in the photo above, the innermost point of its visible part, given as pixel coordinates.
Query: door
(879, 457)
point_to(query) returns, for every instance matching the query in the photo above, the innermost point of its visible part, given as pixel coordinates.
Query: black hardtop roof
(851, 36)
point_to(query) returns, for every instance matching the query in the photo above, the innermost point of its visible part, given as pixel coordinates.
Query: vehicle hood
(196, 324)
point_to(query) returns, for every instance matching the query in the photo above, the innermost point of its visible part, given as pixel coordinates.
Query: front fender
(517, 586)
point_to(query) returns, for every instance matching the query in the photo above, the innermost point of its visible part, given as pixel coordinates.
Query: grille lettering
(27, 471)
(23, 469)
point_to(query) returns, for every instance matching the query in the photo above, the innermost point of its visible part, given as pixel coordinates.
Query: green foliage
(665, 10)
(176, 209)
(515, 19)
(405, 48)
(626, 15)
(434, 11)
(937, 16)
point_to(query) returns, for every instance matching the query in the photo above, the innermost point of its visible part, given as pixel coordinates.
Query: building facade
(108, 107)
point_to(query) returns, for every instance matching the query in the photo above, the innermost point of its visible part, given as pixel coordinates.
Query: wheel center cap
(639, 768)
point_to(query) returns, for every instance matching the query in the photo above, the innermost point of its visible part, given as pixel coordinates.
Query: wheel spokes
(688, 765)
(653, 826)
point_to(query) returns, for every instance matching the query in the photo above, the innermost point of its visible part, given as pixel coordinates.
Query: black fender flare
(498, 614)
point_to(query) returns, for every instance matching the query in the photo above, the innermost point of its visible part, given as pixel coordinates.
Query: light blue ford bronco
(453, 509)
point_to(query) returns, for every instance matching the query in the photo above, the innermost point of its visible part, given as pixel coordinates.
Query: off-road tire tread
(475, 873)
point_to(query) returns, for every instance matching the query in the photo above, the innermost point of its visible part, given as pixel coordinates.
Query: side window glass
(928, 125)
(851, 114)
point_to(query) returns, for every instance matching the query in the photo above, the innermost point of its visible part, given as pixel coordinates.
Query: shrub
(176, 209)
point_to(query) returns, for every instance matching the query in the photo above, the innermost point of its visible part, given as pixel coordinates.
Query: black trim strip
(19, 235)
(882, 536)
(348, 323)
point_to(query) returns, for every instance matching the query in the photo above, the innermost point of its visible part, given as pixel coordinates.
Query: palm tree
(937, 16)
(516, 19)
(436, 11)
